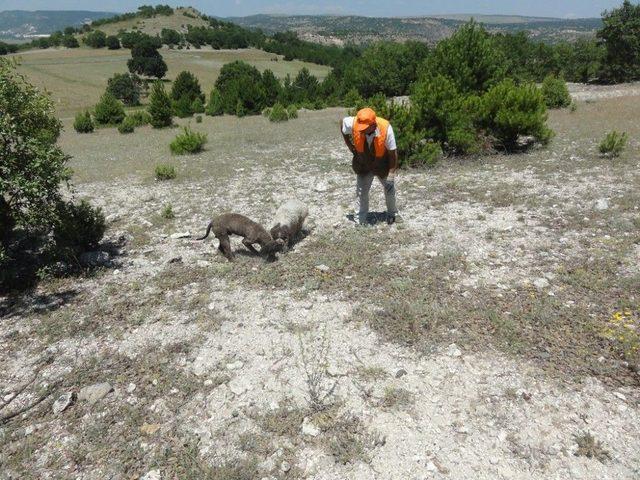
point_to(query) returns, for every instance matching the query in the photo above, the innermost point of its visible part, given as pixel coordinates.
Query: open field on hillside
(77, 77)
(470, 341)
(153, 26)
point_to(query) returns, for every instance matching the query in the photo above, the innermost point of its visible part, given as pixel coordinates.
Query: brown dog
(236, 224)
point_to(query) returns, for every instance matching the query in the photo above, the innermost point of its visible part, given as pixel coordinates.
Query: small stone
(401, 373)
(620, 396)
(63, 402)
(541, 283)
(149, 428)
(94, 393)
(237, 365)
(309, 428)
(321, 187)
(175, 260)
(152, 475)
(602, 204)
(131, 388)
(454, 351)
(432, 254)
(431, 467)
(178, 235)
(285, 466)
(322, 268)
(203, 263)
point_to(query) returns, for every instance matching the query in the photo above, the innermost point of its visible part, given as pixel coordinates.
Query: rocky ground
(471, 341)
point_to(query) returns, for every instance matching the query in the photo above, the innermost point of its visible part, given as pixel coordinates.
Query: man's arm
(347, 140)
(393, 163)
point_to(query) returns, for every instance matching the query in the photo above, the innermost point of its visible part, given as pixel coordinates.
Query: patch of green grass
(165, 172)
(613, 144)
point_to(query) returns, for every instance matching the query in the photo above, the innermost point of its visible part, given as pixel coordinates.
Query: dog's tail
(209, 227)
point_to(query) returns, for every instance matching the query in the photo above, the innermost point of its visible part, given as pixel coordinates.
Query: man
(373, 144)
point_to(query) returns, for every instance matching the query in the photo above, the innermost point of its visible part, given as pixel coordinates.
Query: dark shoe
(394, 218)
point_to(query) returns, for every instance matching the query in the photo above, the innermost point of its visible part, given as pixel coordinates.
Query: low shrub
(164, 171)
(613, 144)
(83, 123)
(127, 126)
(215, 106)
(188, 142)
(197, 106)
(509, 111)
(109, 110)
(167, 212)
(292, 111)
(278, 113)
(79, 227)
(139, 118)
(182, 107)
(425, 154)
(555, 92)
(198, 118)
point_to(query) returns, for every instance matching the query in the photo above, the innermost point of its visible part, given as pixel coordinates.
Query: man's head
(366, 120)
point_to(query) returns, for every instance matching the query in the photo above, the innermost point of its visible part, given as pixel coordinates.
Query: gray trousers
(363, 185)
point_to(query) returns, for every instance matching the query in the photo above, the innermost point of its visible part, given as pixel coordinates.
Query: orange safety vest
(359, 138)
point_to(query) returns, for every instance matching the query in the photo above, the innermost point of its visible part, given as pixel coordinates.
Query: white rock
(309, 428)
(541, 283)
(180, 235)
(432, 254)
(619, 395)
(431, 467)
(322, 268)
(602, 204)
(63, 402)
(454, 351)
(152, 475)
(240, 385)
(321, 187)
(131, 388)
(94, 393)
(237, 365)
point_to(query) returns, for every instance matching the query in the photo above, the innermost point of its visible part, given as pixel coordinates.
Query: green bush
(509, 111)
(112, 42)
(613, 144)
(83, 123)
(197, 106)
(167, 212)
(160, 107)
(165, 172)
(352, 99)
(127, 126)
(470, 58)
(182, 107)
(445, 115)
(555, 92)
(292, 111)
(188, 142)
(79, 227)
(278, 113)
(198, 118)
(139, 118)
(109, 110)
(214, 107)
(95, 39)
(33, 167)
(186, 85)
(241, 84)
(125, 87)
(424, 154)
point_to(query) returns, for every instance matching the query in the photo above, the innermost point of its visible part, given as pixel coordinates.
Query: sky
(373, 8)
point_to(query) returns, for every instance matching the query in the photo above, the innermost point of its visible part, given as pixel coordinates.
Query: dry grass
(589, 447)
(77, 77)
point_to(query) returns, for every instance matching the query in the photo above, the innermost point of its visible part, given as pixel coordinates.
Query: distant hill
(21, 23)
(357, 29)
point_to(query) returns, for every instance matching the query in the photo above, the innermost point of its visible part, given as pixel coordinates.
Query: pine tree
(214, 107)
(109, 110)
(160, 106)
